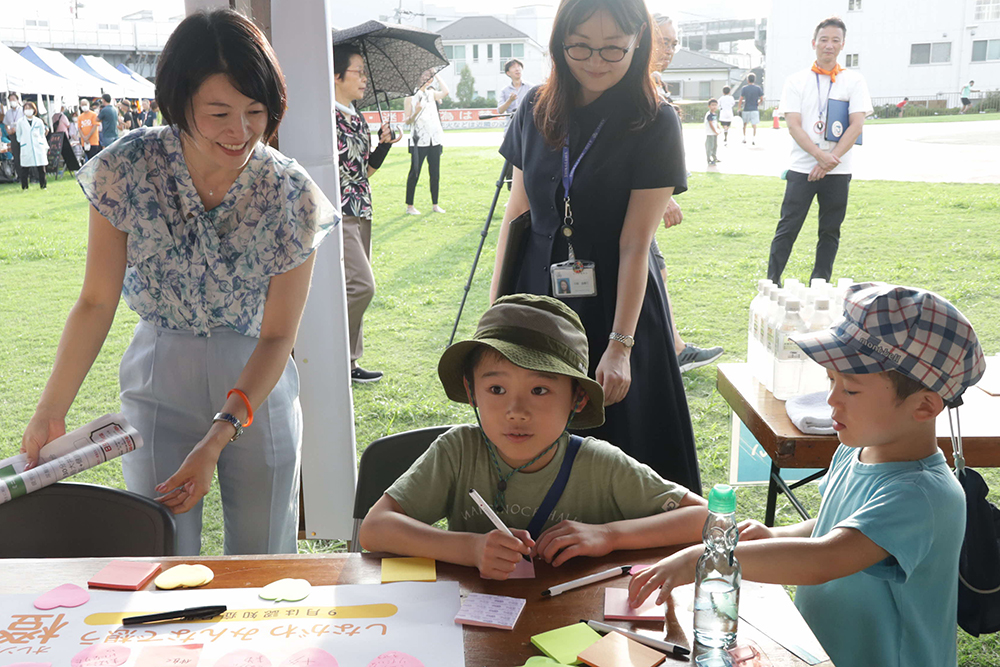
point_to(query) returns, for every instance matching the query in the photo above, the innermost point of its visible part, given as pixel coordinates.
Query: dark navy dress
(652, 423)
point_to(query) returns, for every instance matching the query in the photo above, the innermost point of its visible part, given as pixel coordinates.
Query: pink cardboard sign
(395, 659)
(310, 657)
(101, 655)
(67, 595)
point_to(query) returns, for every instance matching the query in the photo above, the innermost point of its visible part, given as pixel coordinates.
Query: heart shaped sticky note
(31, 664)
(291, 590)
(101, 654)
(242, 657)
(395, 659)
(67, 595)
(313, 657)
(184, 576)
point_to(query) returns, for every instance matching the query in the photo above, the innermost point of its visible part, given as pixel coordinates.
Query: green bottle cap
(722, 499)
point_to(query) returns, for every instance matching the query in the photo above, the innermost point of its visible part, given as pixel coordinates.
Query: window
(455, 53)
(475, 53)
(852, 60)
(489, 53)
(508, 51)
(36, 23)
(988, 10)
(519, 50)
(854, 5)
(674, 88)
(505, 51)
(704, 90)
(926, 54)
(983, 50)
(107, 26)
(491, 94)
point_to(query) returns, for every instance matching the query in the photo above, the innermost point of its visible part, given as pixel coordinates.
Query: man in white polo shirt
(820, 169)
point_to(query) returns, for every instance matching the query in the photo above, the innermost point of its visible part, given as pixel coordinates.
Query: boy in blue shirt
(877, 570)
(525, 374)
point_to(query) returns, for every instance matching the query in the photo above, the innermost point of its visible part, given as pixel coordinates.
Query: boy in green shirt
(525, 374)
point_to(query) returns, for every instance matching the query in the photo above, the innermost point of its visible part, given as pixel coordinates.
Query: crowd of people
(582, 437)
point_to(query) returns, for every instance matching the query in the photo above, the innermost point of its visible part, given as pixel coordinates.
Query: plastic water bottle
(814, 377)
(717, 575)
(757, 308)
(774, 318)
(789, 359)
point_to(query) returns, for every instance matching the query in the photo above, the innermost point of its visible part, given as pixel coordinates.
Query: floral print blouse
(190, 269)
(353, 146)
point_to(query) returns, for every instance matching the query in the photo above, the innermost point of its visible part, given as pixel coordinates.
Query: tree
(466, 89)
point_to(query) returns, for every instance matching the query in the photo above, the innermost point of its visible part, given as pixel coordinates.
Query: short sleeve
(658, 161)
(900, 519)
(860, 98)
(512, 147)
(110, 181)
(791, 97)
(637, 490)
(287, 240)
(426, 491)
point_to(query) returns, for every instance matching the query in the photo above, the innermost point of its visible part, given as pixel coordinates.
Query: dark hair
(481, 352)
(904, 385)
(713, 101)
(751, 77)
(726, 90)
(106, 97)
(834, 21)
(218, 42)
(510, 63)
(342, 55)
(557, 96)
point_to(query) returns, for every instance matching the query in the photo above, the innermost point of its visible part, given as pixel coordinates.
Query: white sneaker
(438, 209)
(412, 211)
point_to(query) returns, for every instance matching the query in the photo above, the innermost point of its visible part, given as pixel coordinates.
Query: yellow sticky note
(565, 644)
(408, 569)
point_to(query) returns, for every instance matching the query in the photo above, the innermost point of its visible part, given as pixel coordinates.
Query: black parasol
(397, 58)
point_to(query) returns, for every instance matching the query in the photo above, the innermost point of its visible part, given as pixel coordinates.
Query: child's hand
(751, 529)
(498, 554)
(572, 538)
(666, 575)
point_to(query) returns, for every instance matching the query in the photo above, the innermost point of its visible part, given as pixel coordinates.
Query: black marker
(190, 614)
(658, 644)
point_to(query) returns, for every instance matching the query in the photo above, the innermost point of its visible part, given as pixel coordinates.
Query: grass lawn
(953, 118)
(943, 237)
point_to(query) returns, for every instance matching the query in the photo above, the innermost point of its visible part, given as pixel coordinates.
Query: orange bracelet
(246, 401)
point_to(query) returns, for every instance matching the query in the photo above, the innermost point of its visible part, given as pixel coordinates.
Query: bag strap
(557, 488)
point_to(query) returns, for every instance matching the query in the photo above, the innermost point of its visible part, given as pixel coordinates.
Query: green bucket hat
(534, 332)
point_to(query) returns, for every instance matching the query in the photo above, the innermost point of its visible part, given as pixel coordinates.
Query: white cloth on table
(811, 414)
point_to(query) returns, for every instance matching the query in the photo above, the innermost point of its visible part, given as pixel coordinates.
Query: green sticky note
(564, 644)
(541, 661)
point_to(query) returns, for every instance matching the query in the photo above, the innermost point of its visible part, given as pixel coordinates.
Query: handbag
(518, 231)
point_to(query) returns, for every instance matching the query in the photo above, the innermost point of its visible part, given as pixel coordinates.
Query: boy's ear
(930, 405)
(581, 400)
(469, 392)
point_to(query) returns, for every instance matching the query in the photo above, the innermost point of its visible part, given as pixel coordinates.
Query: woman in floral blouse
(209, 235)
(357, 164)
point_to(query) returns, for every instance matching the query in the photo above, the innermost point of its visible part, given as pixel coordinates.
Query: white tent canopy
(18, 74)
(86, 84)
(141, 80)
(102, 68)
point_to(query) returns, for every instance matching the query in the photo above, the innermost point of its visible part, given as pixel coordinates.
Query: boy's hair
(726, 90)
(474, 358)
(834, 21)
(713, 101)
(751, 77)
(904, 385)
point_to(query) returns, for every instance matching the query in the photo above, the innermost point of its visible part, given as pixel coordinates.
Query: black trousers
(15, 150)
(39, 172)
(433, 155)
(831, 193)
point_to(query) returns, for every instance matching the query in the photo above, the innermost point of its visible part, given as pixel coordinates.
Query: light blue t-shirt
(901, 612)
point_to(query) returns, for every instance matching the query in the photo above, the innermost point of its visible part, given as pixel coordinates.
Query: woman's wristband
(246, 402)
(378, 155)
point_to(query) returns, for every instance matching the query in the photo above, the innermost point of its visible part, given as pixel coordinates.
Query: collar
(349, 110)
(832, 73)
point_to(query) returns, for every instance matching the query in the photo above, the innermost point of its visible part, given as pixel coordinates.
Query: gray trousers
(360, 281)
(172, 384)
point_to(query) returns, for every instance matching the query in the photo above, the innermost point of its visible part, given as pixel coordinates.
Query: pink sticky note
(395, 659)
(616, 607)
(67, 595)
(31, 664)
(311, 657)
(104, 655)
(636, 569)
(241, 658)
(525, 570)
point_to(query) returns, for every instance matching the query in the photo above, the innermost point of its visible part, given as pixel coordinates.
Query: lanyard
(567, 180)
(822, 112)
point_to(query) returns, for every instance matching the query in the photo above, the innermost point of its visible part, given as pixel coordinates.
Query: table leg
(772, 495)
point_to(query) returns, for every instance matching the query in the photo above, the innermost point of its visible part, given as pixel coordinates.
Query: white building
(913, 48)
(484, 44)
(694, 76)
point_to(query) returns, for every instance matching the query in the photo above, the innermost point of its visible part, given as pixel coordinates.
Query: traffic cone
(777, 123)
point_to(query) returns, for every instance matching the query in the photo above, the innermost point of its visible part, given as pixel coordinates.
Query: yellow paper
(408, 569)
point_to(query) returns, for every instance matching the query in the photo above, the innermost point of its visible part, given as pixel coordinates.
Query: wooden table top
(788, 447)
(484, 647)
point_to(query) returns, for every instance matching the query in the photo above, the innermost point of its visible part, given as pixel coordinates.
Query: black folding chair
(382, 463)
(68, 520)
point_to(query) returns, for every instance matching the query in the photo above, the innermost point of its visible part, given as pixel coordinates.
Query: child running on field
(877, 570)
(525, 374)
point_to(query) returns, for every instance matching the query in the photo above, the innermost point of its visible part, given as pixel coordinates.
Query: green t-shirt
(604, 485)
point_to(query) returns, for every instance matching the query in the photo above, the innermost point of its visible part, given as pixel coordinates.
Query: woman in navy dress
(600, 95)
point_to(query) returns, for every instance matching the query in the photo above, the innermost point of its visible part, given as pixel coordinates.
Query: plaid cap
(913, 331)
(538, 333)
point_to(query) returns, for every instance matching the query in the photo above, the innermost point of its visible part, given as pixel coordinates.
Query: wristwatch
(226, 417)
(627, 341)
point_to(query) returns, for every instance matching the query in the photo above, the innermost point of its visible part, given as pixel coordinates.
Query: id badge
(573, 279)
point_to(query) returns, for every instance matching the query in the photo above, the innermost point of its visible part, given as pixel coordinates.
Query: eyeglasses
(359, 72)
(609, 54)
